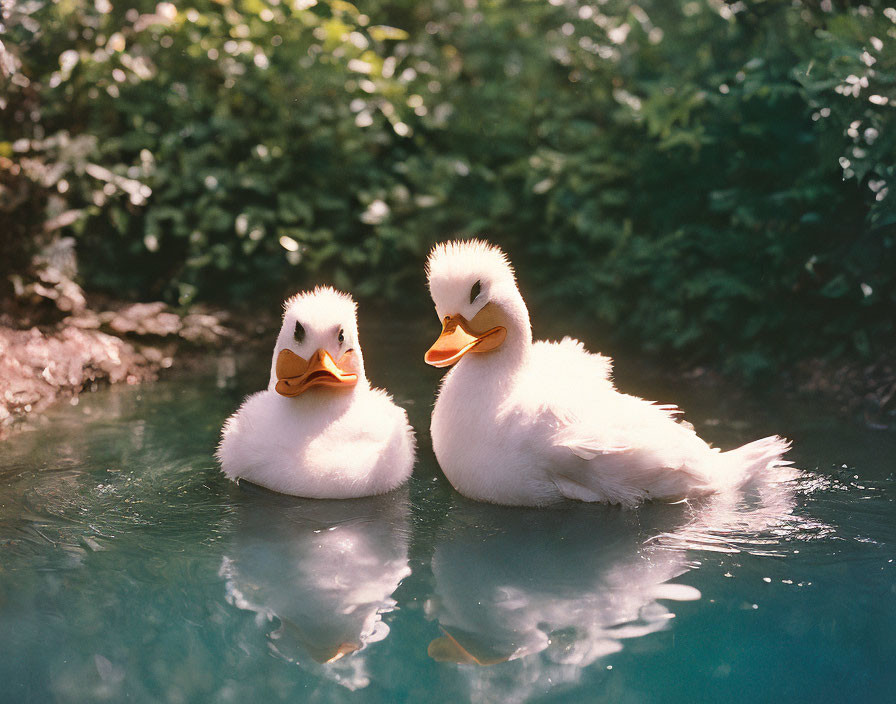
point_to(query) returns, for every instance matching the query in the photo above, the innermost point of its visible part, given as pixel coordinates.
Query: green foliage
(706, 179)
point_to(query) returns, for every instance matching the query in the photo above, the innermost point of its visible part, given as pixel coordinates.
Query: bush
(695, 177)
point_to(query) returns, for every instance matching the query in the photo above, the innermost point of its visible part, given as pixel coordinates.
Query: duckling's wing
(610, 422)
(622, 449)
(587, 447)
(598, 470)
(607, 446)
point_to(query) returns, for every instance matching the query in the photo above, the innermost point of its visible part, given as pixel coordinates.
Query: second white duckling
(524, 423)
(319, 430)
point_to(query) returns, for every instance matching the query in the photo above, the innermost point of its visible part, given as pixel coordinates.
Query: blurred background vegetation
(706, 180)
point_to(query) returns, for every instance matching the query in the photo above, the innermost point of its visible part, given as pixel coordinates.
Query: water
(131, 570)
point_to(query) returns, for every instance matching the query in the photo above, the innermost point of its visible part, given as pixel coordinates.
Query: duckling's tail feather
(755, 458)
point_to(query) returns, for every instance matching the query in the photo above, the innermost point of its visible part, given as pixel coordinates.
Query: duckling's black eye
(341, 336)
(299, 334)
(477, 288)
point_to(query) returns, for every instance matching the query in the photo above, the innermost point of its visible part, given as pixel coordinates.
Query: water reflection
(548, 593)
(318, 575)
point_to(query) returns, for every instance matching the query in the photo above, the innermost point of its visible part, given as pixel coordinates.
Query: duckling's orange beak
(295, 375)
(458, 338)
(447, 648)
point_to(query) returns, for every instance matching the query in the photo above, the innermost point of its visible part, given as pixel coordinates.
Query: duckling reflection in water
(512, 582)
(545, 590)
(322, 573)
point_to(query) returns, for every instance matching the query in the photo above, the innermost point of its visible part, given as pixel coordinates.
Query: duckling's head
(318, 344)
(482, 312)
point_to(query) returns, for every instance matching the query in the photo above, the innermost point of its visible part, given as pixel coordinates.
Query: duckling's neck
(498, 369)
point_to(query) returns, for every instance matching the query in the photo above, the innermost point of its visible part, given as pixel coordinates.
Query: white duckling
(319, 430)
(524, 423)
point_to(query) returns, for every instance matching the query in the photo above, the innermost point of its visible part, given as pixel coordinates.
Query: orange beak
(447, 648)
(458, 338)
(295, 375)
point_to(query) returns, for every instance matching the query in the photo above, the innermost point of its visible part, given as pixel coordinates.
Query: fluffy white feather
(533, 423)
(324, 443)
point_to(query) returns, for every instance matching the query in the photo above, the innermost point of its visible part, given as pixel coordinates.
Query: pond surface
(130, 569)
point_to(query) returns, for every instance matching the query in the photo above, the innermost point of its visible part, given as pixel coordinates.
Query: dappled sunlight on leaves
(730, 164)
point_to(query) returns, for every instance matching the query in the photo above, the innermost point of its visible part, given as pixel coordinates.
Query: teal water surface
(131, 570)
